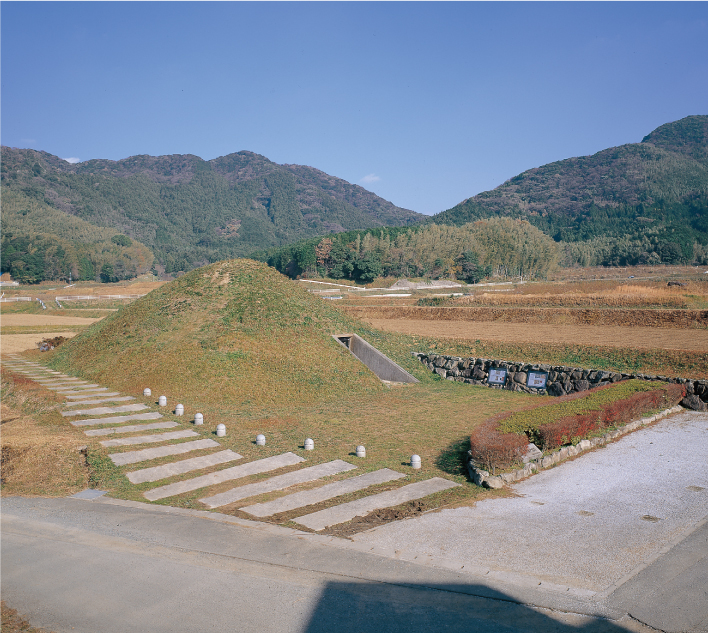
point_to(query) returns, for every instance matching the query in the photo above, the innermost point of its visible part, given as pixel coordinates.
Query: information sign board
(537, 379)
(497, 376)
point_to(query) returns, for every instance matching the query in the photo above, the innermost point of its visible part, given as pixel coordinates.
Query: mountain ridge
(190, 211)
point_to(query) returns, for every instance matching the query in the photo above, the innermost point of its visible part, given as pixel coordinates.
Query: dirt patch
(14, 343)
(44, 319)
(13, 622)
(627, 337)
(378, 517)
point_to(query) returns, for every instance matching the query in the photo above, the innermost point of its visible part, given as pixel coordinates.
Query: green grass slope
(236, 335)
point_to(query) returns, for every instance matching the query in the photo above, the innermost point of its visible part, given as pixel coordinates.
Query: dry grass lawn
(39, 457)
(31, 320)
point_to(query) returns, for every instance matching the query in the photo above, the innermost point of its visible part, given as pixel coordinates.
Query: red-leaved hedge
(496, 448)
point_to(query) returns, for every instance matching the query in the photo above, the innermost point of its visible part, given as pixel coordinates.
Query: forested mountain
(637, 203)
(189, 211)
(40, 242)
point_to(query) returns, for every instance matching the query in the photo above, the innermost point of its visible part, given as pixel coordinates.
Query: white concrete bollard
(309, 444)
(220, 430)
(360, 451)
(198, 418)
(179, 409)
(415, 461)
(260, 440)
(147, 392)
(162, 401)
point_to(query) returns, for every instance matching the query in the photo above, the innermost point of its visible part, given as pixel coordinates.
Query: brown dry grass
(632, 337)
(40, 452)
(13, 622)
(679, 319)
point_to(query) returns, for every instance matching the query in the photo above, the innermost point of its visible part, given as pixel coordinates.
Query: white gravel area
(581, 523)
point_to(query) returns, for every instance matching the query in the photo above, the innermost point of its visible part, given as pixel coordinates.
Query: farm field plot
(615, 336)
(14, 343)
(29, 320)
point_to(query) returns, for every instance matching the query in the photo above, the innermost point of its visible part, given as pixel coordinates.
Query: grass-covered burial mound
(236, 334)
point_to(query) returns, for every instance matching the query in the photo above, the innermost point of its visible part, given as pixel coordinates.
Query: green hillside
(40, 242)
(638, 203)
(236, 328)
(190, 212)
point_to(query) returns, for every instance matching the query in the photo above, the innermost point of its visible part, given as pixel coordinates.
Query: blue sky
(424, 104)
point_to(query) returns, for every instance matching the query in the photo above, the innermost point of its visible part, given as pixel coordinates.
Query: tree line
(496, 246)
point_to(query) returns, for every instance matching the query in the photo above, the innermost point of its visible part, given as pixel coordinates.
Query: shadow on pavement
(365, 607)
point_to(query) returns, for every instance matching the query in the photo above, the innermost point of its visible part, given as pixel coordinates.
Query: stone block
(584, 445)
(494, 483)
(572, 451)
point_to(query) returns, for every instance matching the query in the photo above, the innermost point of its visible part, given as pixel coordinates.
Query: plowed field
(614, 336)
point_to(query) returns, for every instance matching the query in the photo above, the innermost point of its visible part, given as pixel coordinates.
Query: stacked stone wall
(561, 379)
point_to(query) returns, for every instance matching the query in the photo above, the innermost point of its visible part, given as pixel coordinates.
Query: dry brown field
(614, 336)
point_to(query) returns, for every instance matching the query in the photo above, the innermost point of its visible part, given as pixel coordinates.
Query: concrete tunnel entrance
(377, 362)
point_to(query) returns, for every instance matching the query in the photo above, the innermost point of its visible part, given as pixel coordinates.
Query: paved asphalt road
(107, 566)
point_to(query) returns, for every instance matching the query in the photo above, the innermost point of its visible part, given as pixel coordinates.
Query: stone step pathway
(149, 439)
(133, 428)
(80, 393)
(181, 467)
(118, 419)
(146, 454)
(361, 507)
(229, 474)
(100, 400)
(303, 475)
(330, 491)
(83, 394)
(102, 410)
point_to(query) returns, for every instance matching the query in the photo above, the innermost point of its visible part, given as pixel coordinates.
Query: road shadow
(371, 607)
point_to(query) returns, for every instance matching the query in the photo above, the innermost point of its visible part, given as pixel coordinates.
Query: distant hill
(639, 198)
(189, 211)
(40, 242)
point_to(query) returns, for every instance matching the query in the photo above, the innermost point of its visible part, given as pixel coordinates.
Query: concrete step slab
(76, 388)
(103, 410)
(361, 507)
(278, 483)
(149, 439)
(89, 394)
(100, 400)
(329, 491)
(133, 457)
(184, 466)
(117, 419)
(61, 380)
(134, 428)
(229, 474)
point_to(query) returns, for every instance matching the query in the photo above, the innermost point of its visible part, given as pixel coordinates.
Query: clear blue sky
(424, 104)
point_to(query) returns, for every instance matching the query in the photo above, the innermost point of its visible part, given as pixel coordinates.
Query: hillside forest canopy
(497, 246)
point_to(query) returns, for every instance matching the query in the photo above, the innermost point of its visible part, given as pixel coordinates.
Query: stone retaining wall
(561, 379)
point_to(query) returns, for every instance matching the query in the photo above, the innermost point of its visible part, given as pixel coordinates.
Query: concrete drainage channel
(377, 362)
